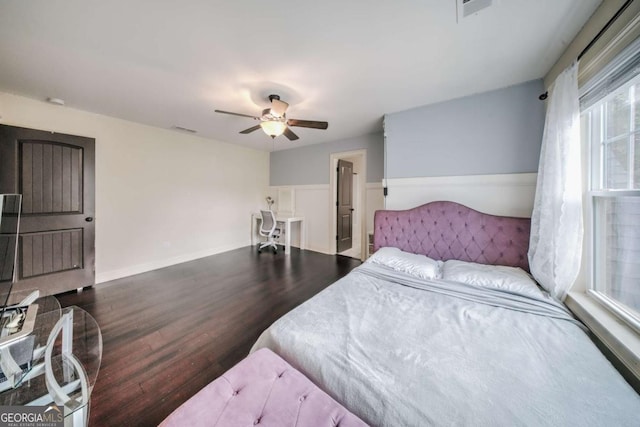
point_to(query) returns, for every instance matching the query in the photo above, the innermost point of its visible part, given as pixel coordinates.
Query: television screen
(9, 227)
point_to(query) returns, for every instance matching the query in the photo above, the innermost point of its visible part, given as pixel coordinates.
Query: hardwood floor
(168, 333)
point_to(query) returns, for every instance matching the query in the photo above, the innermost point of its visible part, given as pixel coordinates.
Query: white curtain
(556, 223)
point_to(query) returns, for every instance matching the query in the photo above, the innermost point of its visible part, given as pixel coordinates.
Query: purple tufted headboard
(448, 230)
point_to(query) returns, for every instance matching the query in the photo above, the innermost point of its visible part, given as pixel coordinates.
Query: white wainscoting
(375, 201)
(507, 194)
(314, 203)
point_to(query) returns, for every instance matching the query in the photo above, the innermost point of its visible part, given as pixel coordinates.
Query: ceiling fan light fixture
(273, 128)
(274, 121)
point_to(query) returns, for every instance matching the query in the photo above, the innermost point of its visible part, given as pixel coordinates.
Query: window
(610, 124)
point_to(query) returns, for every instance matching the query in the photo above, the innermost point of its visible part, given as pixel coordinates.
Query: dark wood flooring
(168, 333)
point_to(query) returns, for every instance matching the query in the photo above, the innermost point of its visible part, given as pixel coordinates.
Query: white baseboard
(107, 276)
(320, 250)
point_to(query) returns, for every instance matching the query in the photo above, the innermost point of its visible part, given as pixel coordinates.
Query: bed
(443, 326)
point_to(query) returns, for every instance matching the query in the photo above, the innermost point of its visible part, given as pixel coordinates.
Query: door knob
(88, 219)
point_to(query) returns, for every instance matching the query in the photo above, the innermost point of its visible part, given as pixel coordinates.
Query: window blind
(617, 73)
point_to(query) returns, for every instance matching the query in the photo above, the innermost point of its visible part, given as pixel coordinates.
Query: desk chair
(268, 229)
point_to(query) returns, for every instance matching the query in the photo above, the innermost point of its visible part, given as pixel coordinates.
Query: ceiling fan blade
(278, 108)
(289, 134)
(237, 114)
(251, 129)
(308, 124)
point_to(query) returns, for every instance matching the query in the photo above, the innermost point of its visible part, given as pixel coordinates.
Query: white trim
(615, 193)
(515, 179)
(108, 276)
(502, 194)
(326, 251)
(288, 207)
(594, 138)
(616, 308)
(302, 187)
(623, 342)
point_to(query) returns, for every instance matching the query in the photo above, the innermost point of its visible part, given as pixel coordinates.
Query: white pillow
(416, 265)
(512, 279)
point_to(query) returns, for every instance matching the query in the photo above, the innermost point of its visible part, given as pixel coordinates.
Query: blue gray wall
(310, 164)
(489, 133)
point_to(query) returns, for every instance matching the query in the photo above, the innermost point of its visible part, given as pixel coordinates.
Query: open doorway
(348, 186)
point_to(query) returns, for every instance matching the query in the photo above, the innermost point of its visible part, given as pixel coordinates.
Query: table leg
(303, 235)
(254, 220)
(287, 248)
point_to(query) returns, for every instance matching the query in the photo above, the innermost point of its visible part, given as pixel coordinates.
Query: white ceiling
(167, 62)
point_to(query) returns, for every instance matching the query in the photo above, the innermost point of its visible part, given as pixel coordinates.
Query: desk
(64, 354)
(286, 221)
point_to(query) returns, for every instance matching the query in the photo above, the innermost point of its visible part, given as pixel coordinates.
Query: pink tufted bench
(262, 390)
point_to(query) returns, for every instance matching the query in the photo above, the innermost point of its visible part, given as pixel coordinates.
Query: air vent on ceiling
(55, 101)
(466, 8)
(183, 129)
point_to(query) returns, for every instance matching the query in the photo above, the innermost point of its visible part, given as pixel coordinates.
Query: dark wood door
(345, 205)
(55, 175)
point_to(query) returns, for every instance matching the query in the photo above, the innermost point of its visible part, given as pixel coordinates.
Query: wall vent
(467, 8)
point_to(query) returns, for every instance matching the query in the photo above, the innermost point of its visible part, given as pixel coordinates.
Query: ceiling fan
(274, 120)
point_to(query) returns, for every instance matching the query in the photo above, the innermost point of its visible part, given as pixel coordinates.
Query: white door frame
(362, 190)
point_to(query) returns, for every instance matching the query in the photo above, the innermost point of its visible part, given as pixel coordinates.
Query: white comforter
(398, 351)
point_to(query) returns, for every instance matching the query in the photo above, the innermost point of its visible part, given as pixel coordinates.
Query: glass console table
(56, 364)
